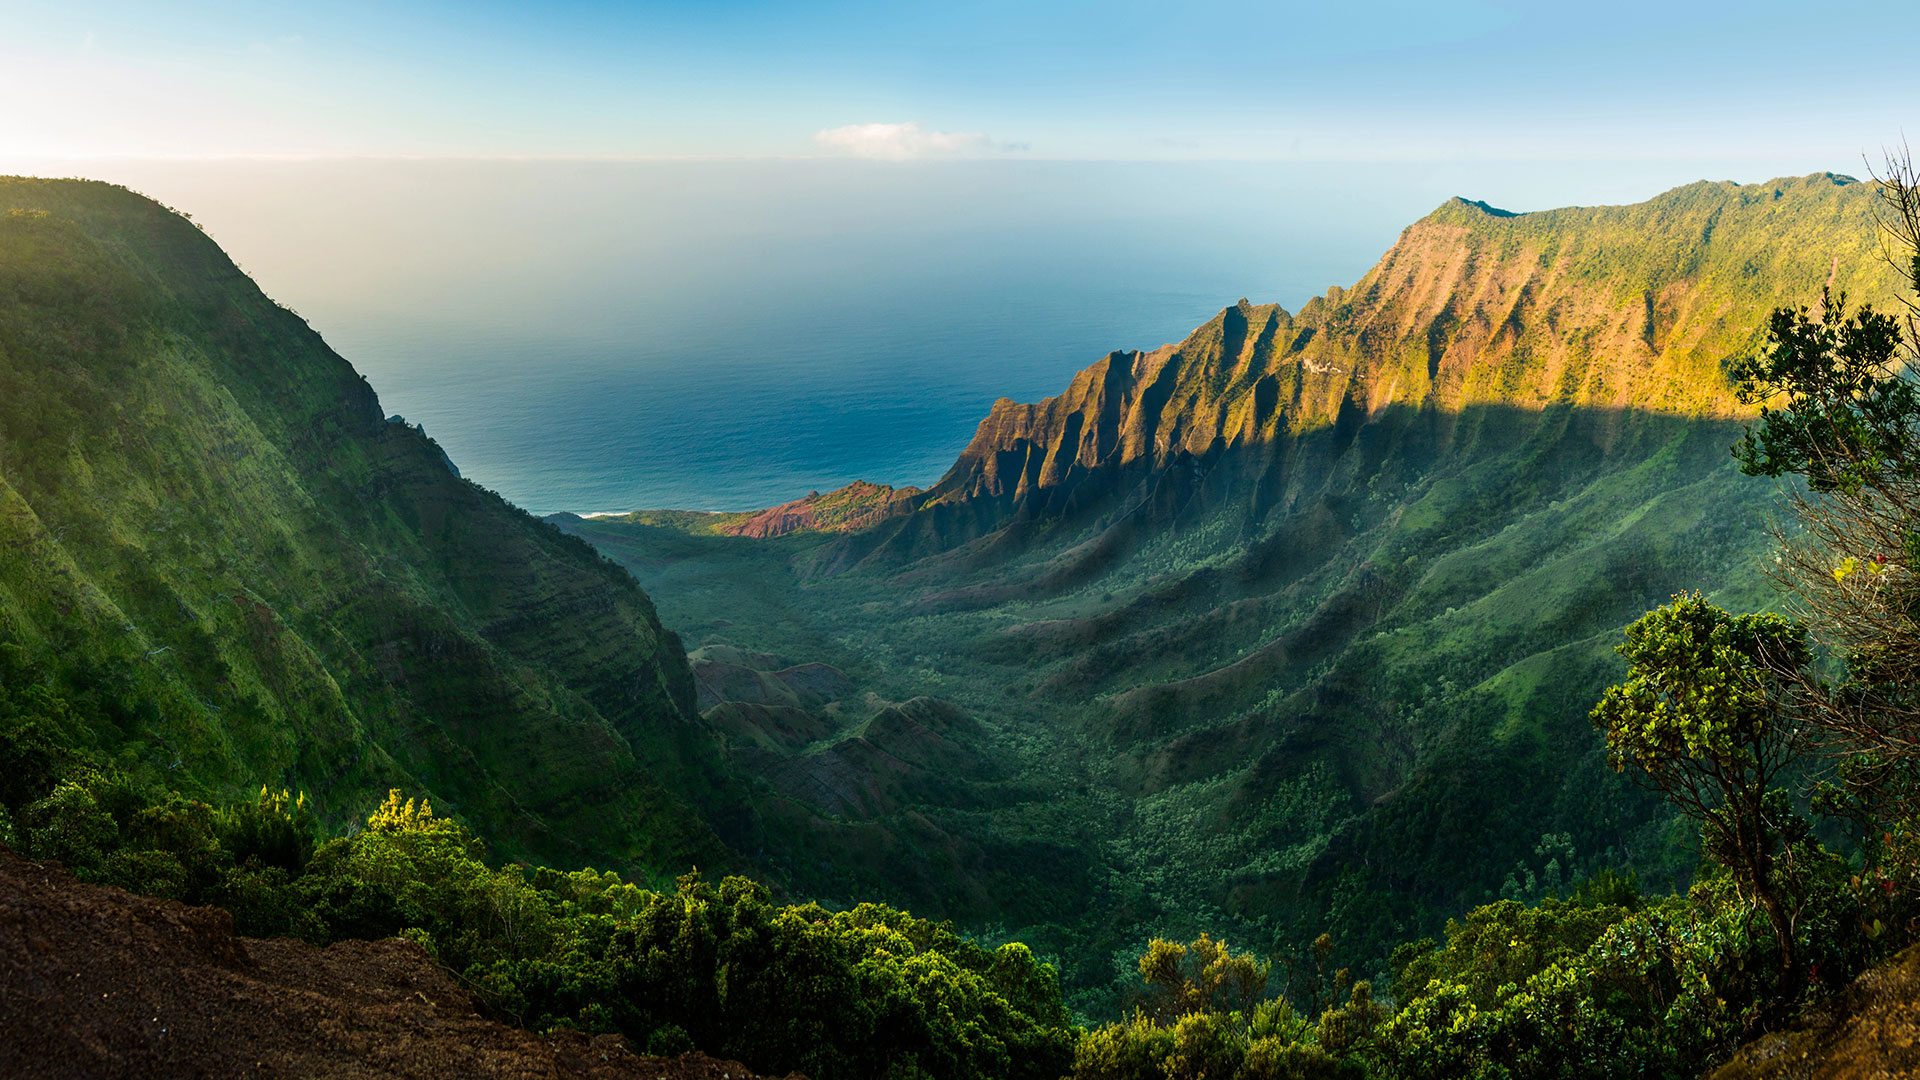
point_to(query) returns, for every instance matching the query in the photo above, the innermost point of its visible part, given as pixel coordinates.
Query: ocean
(605, 336)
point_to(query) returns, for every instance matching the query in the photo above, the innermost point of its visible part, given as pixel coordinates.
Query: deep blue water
(752, 405)
(731, 335)
(734, 335)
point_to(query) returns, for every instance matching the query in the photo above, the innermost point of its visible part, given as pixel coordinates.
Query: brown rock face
(855, 506)
(96, 983)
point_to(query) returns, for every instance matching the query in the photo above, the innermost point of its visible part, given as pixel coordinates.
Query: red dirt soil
(98, 983)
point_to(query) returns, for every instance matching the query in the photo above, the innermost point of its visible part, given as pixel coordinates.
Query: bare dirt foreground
(97, 983)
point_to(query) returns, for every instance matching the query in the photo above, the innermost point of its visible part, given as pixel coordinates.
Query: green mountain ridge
(1293, 626)
(209, 529)
(1611, 307)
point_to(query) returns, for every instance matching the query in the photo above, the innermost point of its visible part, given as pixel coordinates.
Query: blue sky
(1475, 80)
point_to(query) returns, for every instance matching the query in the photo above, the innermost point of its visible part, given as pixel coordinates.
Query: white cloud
(905, 141)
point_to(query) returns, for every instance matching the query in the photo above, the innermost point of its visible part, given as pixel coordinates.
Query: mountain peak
(1484, 207)
(1636, 307)
(1461, 210)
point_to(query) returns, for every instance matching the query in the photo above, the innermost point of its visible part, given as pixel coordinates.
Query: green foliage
(1573, 990)
(70, 825)
(1851, 413)
(1500, 944)
(1204, 976)
(1704, 716)
(1204, 1014)
(855, 993)
(39, 732)
(1701, 699)
(273, 830)
(1204, 1045)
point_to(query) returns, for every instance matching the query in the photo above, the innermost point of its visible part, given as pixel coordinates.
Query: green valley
(1291, 627)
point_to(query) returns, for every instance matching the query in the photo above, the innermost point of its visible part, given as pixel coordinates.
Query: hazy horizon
(602, 336)
(729, 335)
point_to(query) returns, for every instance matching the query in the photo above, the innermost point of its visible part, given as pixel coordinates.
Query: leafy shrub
(70, 825)
(1577, 990)
(275, 830)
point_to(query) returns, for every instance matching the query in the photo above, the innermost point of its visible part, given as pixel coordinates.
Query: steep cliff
(209, 530)
(1623, 309)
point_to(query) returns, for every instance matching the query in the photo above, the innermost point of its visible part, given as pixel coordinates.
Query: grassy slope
(207, 525)
(1294, 626)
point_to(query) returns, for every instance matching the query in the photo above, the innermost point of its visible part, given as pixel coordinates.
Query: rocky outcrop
(855, 506)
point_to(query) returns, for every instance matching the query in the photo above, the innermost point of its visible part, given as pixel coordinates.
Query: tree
(1204, 976)
(1705, 718)
(1205, 1015)
(1841, 408)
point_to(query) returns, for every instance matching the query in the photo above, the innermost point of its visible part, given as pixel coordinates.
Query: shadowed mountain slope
(209, 529)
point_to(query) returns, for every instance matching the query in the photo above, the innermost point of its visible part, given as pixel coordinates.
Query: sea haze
(600, 336)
